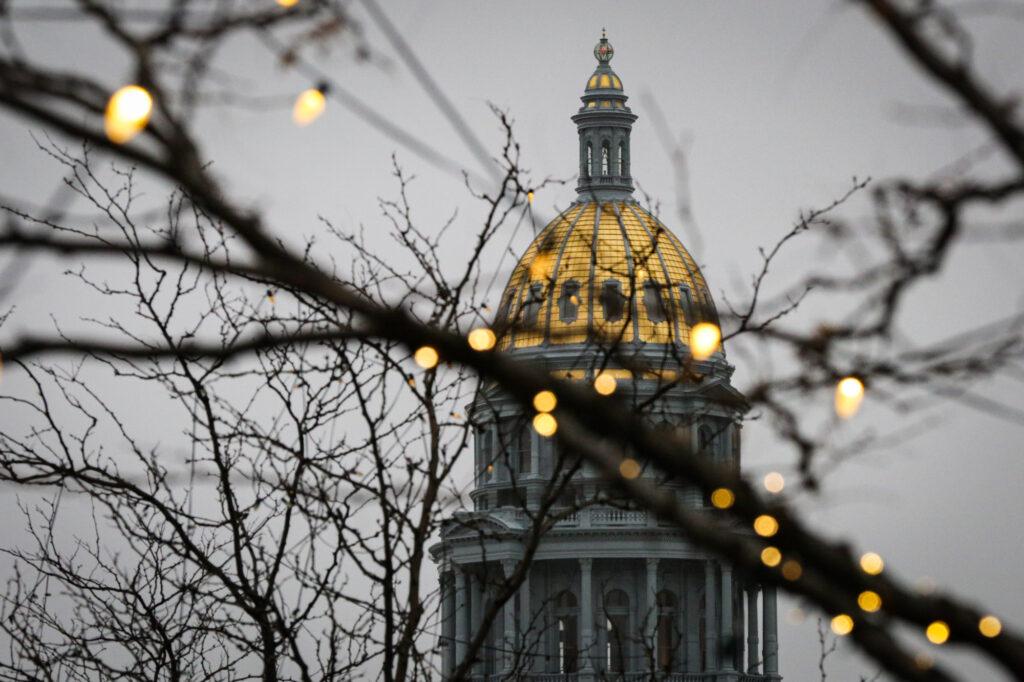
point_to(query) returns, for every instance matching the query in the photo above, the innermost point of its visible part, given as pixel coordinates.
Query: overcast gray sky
(780, 104)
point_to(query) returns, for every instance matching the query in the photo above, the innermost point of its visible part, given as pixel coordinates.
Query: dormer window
(605, 161)
(618, 160)
(653, 302)
(590, 159)
(569, 302)
(613, 303)
(531, 307)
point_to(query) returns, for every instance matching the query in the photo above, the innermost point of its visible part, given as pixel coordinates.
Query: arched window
(707, 439)
(654, 303)
(686, 302)
(590, 160)
(525, 449)
(485, 463)
(605, 161)
(569, 302)
(616, 614)
(668, 633)
(621, 160)
(565, 619)
(531, 307)
(613, 302)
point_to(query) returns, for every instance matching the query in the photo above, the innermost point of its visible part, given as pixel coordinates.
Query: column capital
(586, 563)
(509, 565)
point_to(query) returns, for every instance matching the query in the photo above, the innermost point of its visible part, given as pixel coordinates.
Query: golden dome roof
(604, 270)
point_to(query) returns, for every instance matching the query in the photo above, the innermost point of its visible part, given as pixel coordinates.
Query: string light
(630, 468)
(937, 632)
(545, 424)
(704, 340)
(309, 105)
(426, 357)
(605, 384)
(271, 296)
(128, 112)
(766, 526)
(722, 498)
(842, 624)
(869, 601)
(771, 556)
(529, 196)
(774, 482)
(482, 339)
(849, 394)
(287, 3)
(545, 401)
(792, 570)
(990, 626)
(871, 563)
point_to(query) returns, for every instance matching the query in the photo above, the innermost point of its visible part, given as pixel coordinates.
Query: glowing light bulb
(271, 296)
(529, 196)
(287, 3)
(630, 468)
(792, 570)
(771, 556)
(605, 384)
(545, 424)
(774, 482)
(869, 601)
(545, 401)
(426, 357)
(937, 632)
(128, 112)
(871, 563)
(990, 626)
(849, 395)
(722, 498)
(704, 340)
(308, 106)
(766, 526)
(842, 624)
(482, 339)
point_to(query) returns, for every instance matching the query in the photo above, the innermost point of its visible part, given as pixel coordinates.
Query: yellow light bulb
(704, 340)
(482, 339)
(990, 626)
(545, 401)
(605, 384)
(722, 498)
(771, 556)
(871, 563)
(545, 424)
(128, 112)
(287, 3)
(869, 601)
(426, 357)
(308, 106)
(842, 624)
(774, 482)
(937, 632)
(630, 468)
(849, 395)
(766, 526)
(529, 196)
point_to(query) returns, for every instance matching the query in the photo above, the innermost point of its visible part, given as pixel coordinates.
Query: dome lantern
(604, 123)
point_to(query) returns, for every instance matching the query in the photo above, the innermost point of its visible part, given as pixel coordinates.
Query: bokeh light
(482, 339)
(605, 384)
(722, 498)
(128, 112)
(774, 482)
(545, 401)
(704, 340)
(308, 106)
(426, 357)
(545, 424)
(849, 395)
(842, 624)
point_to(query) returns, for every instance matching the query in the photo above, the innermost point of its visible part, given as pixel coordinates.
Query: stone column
(692, 606)
(752, 662)
(447, 614)
(509, 612)
(737, 625)
(586, 616)
(726, 607)
(710, 620)
(476, 595)
(527, 641)
(461, 617)
(651, 624)
(771, 640)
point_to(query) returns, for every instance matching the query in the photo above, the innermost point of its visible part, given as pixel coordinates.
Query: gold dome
(604, 270)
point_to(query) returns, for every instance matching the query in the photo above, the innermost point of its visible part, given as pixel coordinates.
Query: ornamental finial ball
(604, 50)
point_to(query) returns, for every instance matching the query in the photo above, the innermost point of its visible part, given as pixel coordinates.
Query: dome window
(569, 302)
(532, 305)
(654, 303)
(613, 303)
(590, 159)
(686, 302)
(605, 161)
